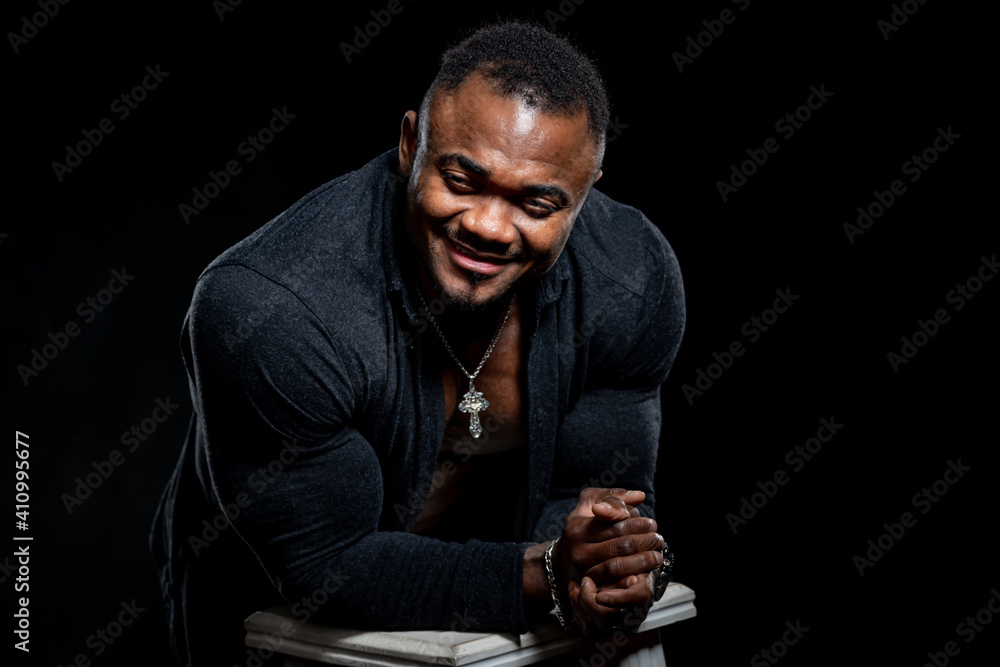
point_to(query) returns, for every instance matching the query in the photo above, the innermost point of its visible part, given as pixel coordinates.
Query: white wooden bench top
(278, 630)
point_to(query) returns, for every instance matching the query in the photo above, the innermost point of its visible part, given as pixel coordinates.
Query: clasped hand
(606, 560)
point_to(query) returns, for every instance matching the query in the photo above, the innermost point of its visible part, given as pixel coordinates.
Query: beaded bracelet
(666, 568)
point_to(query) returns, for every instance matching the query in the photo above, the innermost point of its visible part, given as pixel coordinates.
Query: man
(406, 384)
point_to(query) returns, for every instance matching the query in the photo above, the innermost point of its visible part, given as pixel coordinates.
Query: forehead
(508, 136)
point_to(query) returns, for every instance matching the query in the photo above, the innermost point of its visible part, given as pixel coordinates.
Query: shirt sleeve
(610, 436)
(275, 393)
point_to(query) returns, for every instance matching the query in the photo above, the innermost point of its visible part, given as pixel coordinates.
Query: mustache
(477, 245)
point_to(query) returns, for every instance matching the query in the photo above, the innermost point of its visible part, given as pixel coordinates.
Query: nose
(490, 223)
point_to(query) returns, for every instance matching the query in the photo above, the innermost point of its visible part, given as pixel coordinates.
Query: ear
(600, 172)
(407, 143)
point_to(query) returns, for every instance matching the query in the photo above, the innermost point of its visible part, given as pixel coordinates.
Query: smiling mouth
(487, 266)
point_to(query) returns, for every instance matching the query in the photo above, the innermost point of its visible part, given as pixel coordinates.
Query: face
(493, 191)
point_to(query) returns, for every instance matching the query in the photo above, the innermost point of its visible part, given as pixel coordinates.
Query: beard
(476, 293)
(466, 300)
(464, 290)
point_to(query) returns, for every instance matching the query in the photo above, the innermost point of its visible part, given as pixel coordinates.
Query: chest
(501, 383)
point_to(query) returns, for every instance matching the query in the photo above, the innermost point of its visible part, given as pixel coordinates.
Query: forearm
(404, 581)
(535, 584)
(319, 520)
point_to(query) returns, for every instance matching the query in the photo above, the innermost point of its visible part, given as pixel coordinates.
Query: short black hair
(527, 61)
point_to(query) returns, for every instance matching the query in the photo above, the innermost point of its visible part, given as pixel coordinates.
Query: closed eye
(536, 208)
(459, 183)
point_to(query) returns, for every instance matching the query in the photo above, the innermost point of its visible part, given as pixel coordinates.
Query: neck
(457, 321)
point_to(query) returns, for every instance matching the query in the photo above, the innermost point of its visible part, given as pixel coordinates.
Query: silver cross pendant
(473, 402)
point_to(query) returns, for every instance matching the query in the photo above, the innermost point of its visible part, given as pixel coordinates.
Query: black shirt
(318, 426)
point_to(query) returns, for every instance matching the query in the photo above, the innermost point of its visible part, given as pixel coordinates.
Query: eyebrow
(466, 163)
(538, 190)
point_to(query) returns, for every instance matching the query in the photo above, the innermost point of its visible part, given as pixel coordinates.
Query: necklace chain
(489, 350)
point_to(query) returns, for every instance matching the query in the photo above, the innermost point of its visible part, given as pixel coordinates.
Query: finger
(634, 497)
(620, 584)
(611, 508)
(580, 616)
(593, 554)
(599, 531)
(591, 495)
(618, 568)
(602, 616)
(639, 594)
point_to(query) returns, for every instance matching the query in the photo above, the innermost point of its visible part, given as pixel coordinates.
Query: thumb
(610, 508)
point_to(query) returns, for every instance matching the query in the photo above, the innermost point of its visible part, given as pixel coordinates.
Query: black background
(678, 133)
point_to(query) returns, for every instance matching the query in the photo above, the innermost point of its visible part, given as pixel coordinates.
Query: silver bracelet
(554, 589)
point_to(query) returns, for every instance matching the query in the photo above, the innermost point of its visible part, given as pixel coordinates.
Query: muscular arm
(276, 400)
(610, 437)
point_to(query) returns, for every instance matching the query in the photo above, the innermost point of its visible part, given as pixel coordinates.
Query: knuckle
(613, 569)
(617, 529)
(625, 546)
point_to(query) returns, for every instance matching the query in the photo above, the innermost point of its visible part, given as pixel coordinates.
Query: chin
(474, 292)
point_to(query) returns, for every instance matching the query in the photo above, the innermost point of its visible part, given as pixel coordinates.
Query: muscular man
(412, 381)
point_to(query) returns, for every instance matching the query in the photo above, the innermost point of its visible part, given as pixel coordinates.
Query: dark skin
(494, 189)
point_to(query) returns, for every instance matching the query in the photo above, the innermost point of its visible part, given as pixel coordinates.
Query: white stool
(276, 631)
